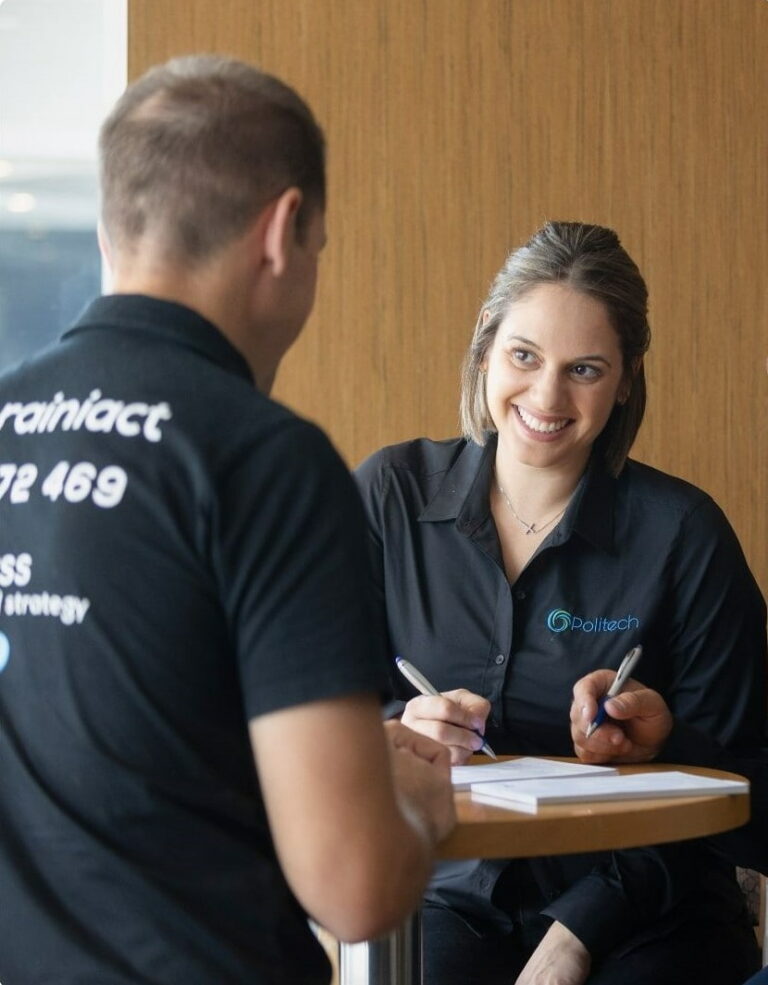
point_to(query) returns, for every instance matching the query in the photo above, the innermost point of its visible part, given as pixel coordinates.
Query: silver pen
(422, 685)
(622, 676)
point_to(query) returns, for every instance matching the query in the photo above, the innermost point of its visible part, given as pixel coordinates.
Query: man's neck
(195, 289)
(215, 296)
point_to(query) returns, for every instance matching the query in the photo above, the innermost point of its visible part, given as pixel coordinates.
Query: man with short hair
(191, 750)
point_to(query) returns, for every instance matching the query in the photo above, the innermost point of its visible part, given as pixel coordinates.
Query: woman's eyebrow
(520, 338)
(596, 358)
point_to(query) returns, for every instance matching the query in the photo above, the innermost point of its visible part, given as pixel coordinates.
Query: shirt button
(520, 594)
(499, 658)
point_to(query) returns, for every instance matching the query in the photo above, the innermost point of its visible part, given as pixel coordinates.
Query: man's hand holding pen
(638, 725)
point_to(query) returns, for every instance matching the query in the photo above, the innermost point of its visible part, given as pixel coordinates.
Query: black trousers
(699, 953)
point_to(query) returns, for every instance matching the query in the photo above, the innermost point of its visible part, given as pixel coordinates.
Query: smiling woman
(49, 257)
(531, 551)
(553, 377)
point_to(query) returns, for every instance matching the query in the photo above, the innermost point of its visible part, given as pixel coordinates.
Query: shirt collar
(464, 491)
(165, 320)
(464, 495)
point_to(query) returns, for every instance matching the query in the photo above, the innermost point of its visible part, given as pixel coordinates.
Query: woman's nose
(548, 391)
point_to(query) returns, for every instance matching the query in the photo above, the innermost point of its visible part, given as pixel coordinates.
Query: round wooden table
(485, 831)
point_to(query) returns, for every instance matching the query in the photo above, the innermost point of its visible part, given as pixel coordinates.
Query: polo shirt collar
(464, 495)
(164, 320)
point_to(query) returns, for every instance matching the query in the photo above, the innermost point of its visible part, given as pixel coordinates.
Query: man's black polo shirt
(178, 554)
(645, 558)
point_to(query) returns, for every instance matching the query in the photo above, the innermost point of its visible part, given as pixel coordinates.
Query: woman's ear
(485, 317)
(625, 388)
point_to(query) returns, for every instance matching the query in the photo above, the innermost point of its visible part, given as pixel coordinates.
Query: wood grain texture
(456, 127)
(485, 831)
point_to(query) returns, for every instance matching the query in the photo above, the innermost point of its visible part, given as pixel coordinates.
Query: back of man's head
(193, 151)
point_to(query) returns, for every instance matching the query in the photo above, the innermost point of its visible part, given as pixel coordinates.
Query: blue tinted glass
(61, 66)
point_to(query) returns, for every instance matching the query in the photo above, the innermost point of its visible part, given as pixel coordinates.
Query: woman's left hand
(638, 725)
(560, 959)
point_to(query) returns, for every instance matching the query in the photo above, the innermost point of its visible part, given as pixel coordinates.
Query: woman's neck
(536, 493)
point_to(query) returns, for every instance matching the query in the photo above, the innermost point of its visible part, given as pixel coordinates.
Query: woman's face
(554, 374)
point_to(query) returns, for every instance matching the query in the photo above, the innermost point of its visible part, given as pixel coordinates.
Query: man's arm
(355, 811)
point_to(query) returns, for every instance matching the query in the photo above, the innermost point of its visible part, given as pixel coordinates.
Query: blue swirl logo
(5, 651)
(559, 620)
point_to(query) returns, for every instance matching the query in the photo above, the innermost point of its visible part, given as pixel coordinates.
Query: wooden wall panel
(455, 128)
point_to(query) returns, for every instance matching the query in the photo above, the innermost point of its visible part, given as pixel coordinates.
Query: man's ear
(104, 244)
(280, 229)
(108, 257)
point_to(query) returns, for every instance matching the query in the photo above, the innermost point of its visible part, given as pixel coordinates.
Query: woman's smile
(542, 428)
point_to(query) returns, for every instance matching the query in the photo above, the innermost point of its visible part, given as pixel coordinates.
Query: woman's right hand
(453, 718)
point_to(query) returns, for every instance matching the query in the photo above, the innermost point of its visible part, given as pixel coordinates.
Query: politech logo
(560, 621)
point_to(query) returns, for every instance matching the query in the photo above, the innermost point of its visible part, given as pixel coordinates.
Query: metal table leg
(391, 960)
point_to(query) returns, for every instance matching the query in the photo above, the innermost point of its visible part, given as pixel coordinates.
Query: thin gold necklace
(530, 528)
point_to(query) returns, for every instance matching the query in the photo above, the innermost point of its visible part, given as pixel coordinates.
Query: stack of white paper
(524, 768)
(529, 795)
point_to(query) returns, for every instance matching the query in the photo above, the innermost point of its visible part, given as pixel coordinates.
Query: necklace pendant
(530, 528)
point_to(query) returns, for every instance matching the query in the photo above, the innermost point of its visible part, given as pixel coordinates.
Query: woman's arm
(715, 645)
(643, 728)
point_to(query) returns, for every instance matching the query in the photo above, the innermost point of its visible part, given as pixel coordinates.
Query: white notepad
(529, 795)
(525, 768)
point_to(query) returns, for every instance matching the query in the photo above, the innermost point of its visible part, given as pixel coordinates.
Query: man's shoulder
(83, 394)
(12, 377)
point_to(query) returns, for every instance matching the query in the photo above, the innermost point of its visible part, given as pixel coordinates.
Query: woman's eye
(522, 356)
(586, 372)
